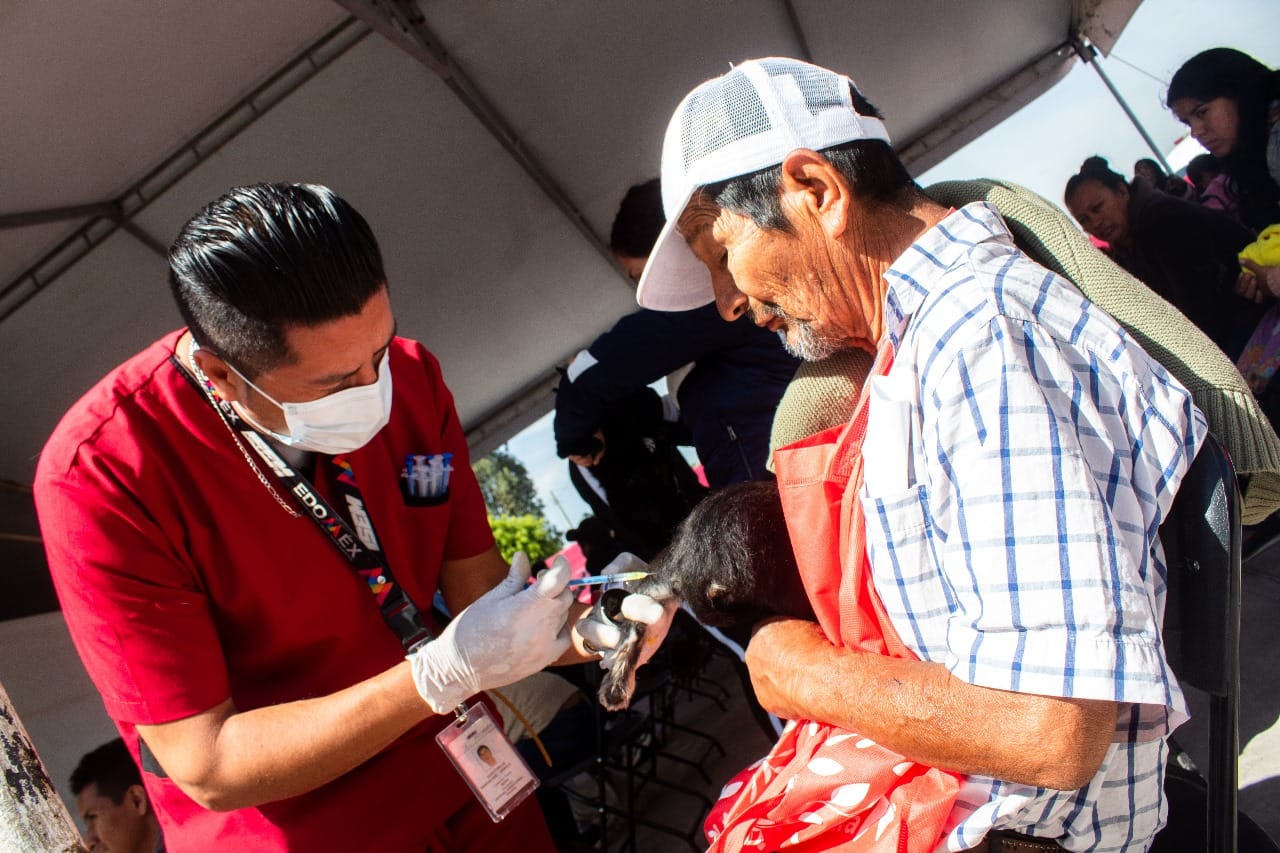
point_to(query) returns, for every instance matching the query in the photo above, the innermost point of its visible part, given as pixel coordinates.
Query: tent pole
(58, 214)
(403, 24)
(32, 815)
(798, 31)
(1089, 56)
(110, 216)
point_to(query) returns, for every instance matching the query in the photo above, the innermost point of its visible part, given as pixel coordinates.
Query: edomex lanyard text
(362, 552)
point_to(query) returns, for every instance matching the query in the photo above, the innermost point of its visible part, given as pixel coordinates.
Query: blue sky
(1041, 146)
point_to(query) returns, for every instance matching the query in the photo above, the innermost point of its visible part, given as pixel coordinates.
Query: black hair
(264, 257)
(1223, 72)
(647, 484)
(1094, 168)
(1162, 177)
(731, 558)
(1200, 165)
(639, 220)
(870, 165)
(110, 768)
(731, 561)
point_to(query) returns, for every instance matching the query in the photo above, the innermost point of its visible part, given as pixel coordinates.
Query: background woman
(1231, 104)
(1182, 251)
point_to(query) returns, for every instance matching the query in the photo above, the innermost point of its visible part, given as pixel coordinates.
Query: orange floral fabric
(822, 787)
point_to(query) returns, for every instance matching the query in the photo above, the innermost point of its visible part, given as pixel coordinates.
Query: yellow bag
(1265, 251)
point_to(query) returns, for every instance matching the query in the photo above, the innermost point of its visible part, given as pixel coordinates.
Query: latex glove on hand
(600, 634)
(510, 632)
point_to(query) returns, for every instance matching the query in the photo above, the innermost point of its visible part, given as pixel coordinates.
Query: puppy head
(731, 559)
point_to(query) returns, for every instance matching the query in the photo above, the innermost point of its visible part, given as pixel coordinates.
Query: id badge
(494, 771)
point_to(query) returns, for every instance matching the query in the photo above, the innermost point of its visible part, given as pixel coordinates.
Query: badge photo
(492, 768)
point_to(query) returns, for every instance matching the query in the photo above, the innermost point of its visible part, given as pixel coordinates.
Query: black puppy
(730, 561)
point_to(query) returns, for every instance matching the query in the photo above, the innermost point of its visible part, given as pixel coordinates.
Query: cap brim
(674, 279)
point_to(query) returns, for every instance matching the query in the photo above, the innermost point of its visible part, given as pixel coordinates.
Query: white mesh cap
(746, 120)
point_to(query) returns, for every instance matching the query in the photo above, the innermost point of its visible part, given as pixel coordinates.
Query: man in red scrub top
(242, 522)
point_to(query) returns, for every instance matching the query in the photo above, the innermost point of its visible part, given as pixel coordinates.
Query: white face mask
(338, 423)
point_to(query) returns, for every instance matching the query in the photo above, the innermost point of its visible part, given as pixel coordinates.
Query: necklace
(220, 406)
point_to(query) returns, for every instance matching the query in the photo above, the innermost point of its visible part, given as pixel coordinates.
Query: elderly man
(1022, 452)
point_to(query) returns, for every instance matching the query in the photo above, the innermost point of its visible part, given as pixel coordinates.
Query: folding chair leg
(1224, 781)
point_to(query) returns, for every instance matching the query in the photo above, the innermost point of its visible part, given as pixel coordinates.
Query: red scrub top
(184, 582)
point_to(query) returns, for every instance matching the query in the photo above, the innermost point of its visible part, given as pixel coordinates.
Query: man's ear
(812, 186)
(226, 382)
(136, 799)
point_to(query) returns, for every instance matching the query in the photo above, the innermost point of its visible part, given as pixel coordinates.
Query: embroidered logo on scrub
(427, 476)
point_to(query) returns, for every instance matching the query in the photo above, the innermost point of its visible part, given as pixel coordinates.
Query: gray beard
(804, 342)
(807, 345)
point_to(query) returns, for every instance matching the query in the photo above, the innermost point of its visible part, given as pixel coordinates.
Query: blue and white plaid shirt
(1023, 450)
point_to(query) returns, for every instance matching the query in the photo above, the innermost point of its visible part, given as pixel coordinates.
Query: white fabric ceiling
(485, 267)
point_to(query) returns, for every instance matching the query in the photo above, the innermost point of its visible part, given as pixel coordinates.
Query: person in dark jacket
(639, 486)
(726, 375)
(1182, 251)
(1231, 104)
(736, 372)
(1213, 185)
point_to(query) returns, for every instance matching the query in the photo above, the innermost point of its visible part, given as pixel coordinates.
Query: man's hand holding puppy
(599, 635)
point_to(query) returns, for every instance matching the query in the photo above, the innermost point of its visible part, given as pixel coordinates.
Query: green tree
(529, 533)
(516, 515)
(506, 486)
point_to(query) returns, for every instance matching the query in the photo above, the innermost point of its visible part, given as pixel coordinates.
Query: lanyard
(359, 545)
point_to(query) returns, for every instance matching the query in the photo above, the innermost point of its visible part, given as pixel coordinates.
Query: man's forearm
(225, 759)
(923, 712)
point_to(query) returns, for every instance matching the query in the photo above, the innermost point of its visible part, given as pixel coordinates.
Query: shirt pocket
(904, 566)
(414, 500)
(898, 516)
(888, 445)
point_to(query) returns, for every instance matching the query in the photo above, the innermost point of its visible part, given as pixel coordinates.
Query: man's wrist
(780, 651)
(442, 687)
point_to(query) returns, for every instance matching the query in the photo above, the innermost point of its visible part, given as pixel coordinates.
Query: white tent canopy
(487, 142)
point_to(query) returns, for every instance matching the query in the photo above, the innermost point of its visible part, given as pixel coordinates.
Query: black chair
(629, 746)
(1201, 539)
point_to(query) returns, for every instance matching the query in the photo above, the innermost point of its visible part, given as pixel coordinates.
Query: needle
(621, 577)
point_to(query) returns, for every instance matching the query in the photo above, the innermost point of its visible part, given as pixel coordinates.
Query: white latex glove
(510, 632)
(601, 635)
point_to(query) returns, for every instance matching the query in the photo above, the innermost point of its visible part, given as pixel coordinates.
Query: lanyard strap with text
(358, 546)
